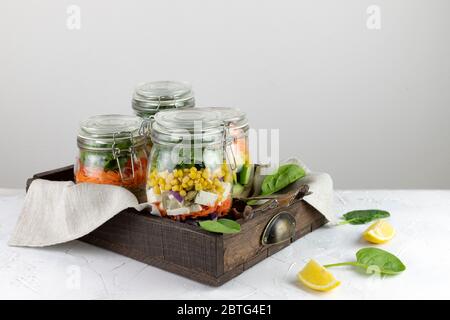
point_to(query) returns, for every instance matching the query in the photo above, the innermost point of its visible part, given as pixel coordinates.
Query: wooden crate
(186, 249)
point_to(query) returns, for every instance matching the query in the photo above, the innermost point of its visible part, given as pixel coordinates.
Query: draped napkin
(60, 211)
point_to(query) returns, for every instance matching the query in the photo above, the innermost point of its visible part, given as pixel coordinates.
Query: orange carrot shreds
(221, 211)
(224, 207)
(100, 176)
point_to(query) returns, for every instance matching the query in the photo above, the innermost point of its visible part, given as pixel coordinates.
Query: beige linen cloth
(60, 211)
(56, 212)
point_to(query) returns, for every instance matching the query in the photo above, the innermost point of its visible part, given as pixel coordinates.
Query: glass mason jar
(112, 151)
(151, 97)
(189, 171)
(238, 127)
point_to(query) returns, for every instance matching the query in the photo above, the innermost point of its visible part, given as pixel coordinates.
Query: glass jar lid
(233, 117)
(102, 131)
(151, 97)
(192, 124)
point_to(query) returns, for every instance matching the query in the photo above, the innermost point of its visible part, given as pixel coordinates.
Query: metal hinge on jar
(228, 146)
(117, 152)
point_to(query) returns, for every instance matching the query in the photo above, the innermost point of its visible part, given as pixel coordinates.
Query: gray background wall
(371, 107)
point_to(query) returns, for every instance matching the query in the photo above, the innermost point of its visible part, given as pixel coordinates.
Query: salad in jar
(189, 174)
(111, 151)
(151, 97)
(238, 130)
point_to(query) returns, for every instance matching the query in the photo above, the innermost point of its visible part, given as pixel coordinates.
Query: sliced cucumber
(245, 174)
(237, 189)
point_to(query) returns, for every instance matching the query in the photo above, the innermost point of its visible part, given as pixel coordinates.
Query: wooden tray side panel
(236, 253)
(243, 246)
(133, 233)
(190, 249)
(149, 238)
(163, 264)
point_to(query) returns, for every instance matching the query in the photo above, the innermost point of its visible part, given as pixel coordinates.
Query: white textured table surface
(80, 271)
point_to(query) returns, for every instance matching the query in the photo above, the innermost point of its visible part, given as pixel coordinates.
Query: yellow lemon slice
(317, 277)
(380, 231)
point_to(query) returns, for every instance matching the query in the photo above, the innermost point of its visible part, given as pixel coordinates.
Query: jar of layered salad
(237, 123)
(152, 97)
(112, 151)
(189, 171)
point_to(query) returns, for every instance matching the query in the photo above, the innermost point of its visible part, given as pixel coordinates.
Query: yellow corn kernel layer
(184, 180)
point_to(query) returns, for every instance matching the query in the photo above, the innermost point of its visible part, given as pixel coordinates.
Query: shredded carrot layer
(224, 207)
(100, 176)
(221, 211)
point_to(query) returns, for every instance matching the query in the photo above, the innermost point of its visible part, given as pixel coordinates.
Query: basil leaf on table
(220, 226)
(284, 176)
(375, 259)
(364, 216)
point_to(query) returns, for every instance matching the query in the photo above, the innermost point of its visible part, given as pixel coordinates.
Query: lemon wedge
(317, 277)
(380, 231)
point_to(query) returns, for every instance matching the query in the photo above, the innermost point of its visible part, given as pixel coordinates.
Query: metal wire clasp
(226, 134)
(146, 126)
(159, 104)
(117, 152)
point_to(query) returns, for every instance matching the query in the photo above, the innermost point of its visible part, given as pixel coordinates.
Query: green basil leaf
(382, 260)
(220, 226)
(364, 216)
(374, 260)
(284, 176)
